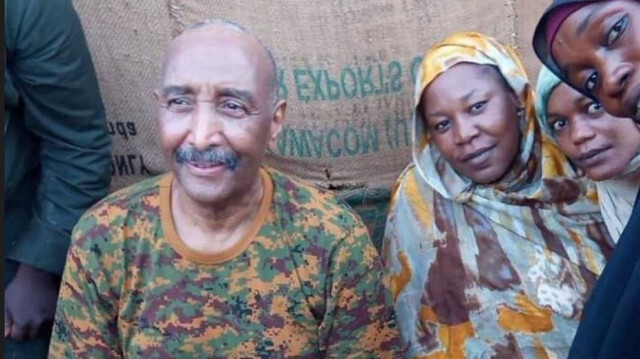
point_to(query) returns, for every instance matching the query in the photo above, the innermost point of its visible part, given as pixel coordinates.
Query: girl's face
(597, 142)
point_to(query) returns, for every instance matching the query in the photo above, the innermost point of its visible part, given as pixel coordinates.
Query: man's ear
(276, 122)
(157, 95)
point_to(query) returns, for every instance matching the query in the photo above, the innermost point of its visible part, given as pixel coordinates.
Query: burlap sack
(346, 68)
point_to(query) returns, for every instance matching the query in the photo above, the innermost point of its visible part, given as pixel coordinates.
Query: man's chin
(200, 189)
(207, 196)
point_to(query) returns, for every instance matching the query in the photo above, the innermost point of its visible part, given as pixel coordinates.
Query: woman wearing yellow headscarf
(492, 241)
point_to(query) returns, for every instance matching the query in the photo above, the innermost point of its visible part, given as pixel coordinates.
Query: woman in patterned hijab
(492, 242)
(606, 148)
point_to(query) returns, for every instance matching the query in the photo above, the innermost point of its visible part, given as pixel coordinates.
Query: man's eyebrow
(177, 90)
(241, 94)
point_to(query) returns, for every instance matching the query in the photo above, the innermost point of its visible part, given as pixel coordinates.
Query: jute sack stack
(346, 68)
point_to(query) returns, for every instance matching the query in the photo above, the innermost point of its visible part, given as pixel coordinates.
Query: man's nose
(206, 127)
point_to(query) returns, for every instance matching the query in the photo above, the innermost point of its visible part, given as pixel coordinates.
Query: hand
(30, 303)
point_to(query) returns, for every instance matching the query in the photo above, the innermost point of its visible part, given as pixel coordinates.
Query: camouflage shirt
(306, 283)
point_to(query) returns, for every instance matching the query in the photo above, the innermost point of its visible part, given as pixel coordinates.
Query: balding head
(216, 31)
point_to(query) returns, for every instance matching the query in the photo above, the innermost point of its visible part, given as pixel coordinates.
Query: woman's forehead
(462, 84)
(564, 97)
(579, 28)
(465, 77)
(482, 51)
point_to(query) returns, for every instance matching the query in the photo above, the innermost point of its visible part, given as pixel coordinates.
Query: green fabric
(547, 82)
(56, 143)
(57, 147)
(372, 205)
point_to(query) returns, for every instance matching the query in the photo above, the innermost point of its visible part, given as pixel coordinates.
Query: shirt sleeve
(85, 324)
(359, 320)
(52, 70)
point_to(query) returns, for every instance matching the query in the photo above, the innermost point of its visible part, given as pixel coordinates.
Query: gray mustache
(213, 156)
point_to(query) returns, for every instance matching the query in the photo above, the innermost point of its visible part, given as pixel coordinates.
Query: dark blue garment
(610, 326)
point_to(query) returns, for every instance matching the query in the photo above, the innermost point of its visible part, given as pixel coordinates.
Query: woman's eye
(559, 125)
(478, 106)
(594, 108)
(591, 82)
(616, 31)
(442, 125)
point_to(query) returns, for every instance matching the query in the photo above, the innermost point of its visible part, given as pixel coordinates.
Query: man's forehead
(210, 59)
(210, 50)
(215, 38)
(216, 56)
(216, 48)
(202, 81)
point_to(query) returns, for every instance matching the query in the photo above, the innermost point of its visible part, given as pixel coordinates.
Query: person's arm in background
(52, 70)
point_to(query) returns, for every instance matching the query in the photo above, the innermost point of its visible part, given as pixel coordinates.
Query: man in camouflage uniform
(223, 257)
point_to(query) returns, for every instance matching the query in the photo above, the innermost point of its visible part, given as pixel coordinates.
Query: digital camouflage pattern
(309, 284)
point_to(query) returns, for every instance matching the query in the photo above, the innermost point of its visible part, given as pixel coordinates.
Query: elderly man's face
(217, 115)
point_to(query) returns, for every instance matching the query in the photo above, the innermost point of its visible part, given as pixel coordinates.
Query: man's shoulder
(305, 202)
(122, 219)
(143, 196)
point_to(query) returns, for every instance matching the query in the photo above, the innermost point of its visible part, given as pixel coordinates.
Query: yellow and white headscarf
(483, 270)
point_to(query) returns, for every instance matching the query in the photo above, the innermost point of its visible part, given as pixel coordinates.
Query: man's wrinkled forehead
(210, 41)
(220, 44)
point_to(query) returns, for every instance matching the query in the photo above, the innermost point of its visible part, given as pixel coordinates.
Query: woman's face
(598, 49)
(472, 118)
(598, 143)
